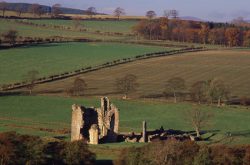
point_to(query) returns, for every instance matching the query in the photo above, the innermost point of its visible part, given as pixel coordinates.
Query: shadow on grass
(104, 162)
(60, 137)
(209, 133)
(2, 94)
(41, 45)
(245, 133)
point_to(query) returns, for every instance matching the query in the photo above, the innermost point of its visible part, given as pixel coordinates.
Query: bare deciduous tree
(30, 78)
(77, 23)
(91, 11)
(3, 7)
(199, 119)
(78, 88)
(36, 9)
(171, 13)
(118, 12)
(127, 84)
(199, 91)
(19, 10)
(175, 85)
(10, 37)
(151, 14)
(56, 9)
(218, 90)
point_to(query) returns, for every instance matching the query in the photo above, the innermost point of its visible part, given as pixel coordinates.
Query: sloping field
(51, 59)
(233, 66)
(48, 116)
(43, 32)
(123, 26)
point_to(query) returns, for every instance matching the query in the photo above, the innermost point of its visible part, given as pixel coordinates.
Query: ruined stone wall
(76, 123)
(95, 124)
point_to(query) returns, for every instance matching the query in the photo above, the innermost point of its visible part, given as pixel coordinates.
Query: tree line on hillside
(192, 31)
(210, 91)
(37, 10)
(32, 150)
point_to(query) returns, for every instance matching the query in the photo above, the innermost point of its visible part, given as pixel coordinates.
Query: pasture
(37, 114)
(232, 66)
(50, 59)
(123, 26)
(25, 30)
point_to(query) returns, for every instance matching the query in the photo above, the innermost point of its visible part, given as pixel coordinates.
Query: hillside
(51, 59)
(26, 6)
(230, 65)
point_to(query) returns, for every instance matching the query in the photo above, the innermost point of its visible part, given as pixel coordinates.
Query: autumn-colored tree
(164, 27)
(75, 153)
(3, 7)
(139, 29)
(233, 36)
(204, 156)
(246, 38)
(203, 33)
(127, 84)
(221, 36)
(191, 31)
(6, 150)
(118, 12)
(175, 86)
(91, 11)
(150, 14)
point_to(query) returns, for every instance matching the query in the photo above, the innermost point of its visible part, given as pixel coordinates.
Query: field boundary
(101, 66)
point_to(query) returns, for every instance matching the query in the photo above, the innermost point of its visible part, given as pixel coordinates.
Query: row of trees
(209, 91)
(200, 91)
(173, 152)
(24, 149)
(38, 10)
(191, 31)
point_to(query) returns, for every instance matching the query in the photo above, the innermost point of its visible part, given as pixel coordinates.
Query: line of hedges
(98, 67)
(70, 28)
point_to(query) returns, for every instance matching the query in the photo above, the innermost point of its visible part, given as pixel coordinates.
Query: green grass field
(50, 59)
(43, 32)
(124, 26)
(232, 66)
(26, 114)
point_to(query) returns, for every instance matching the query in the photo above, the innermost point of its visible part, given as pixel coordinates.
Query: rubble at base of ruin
(101, 125)
(95, 125)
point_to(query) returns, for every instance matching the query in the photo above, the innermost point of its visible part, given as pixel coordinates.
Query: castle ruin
(95, 125)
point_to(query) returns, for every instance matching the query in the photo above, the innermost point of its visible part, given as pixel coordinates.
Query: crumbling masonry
(95, 125)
